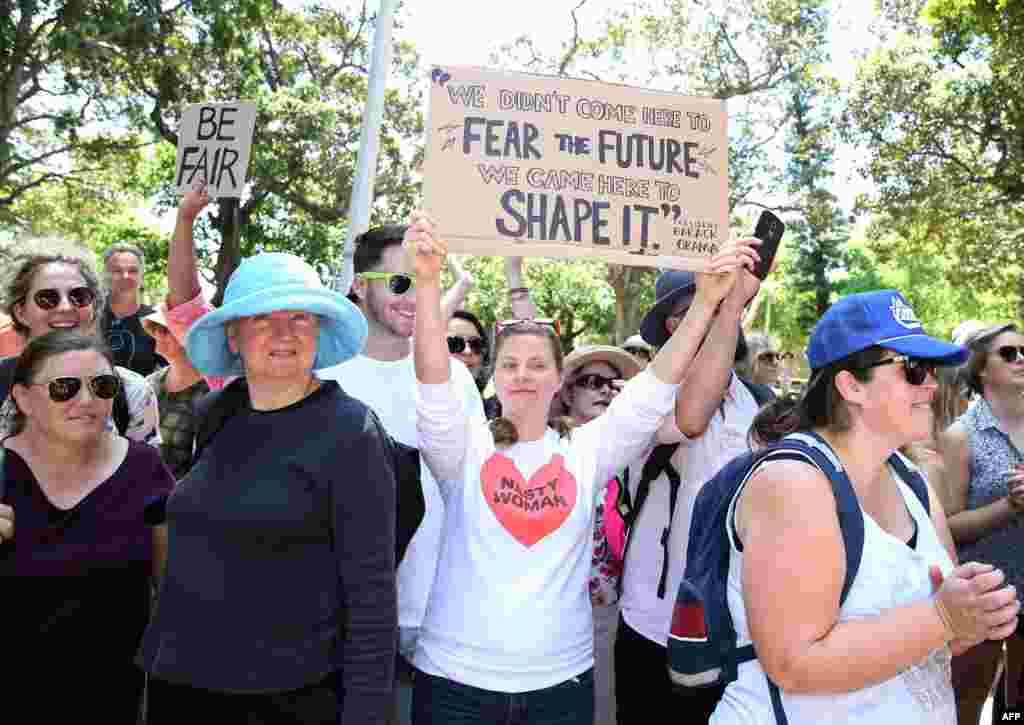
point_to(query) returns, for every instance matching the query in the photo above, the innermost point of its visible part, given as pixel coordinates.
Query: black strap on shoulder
(656, 463)
(912, 478)
(122, 415)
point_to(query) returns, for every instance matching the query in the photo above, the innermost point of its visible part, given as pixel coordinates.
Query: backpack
(623, 515)
(702, 650)
(214, 410)
(121, 414)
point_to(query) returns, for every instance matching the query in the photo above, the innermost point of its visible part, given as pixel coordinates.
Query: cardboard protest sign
(214, 141)
(530, 165)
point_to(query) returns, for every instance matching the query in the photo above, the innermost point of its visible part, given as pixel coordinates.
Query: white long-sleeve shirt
(510, 609)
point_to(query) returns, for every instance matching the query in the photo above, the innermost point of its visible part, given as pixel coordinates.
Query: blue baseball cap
(883, 318)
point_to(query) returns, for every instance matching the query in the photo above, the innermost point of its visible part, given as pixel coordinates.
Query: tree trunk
(229, 223)
(628, 284)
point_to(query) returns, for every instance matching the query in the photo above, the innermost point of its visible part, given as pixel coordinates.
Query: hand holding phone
(769, 230)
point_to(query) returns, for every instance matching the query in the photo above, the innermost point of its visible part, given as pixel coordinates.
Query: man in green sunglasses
(384, 378)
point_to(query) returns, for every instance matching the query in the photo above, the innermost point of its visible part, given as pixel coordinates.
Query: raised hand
(426, 254)
(733, 262)
(194, 200)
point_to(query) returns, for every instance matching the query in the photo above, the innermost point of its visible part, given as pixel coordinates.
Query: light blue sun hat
(269, 282)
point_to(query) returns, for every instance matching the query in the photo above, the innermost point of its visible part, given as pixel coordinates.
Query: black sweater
(281, 566)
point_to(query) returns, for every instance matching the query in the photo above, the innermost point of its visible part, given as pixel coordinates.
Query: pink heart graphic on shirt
(528, 511)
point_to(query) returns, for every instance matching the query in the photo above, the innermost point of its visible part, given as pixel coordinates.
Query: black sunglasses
(915, 369)
(64, 389)
(593, 381)
(458, 343)
(639, 352)
(47, 299)
(1011, 353)
(398, 282)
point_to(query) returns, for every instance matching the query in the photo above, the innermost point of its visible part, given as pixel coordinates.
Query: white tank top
(891, 574)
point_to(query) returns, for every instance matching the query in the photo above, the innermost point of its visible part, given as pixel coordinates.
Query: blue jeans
(439, 701)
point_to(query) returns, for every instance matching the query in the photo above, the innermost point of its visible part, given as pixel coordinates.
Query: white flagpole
(369, 143)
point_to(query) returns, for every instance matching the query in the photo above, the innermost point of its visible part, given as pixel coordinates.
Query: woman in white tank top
(884, 655)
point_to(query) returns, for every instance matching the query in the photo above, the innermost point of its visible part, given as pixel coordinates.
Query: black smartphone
(769, 230)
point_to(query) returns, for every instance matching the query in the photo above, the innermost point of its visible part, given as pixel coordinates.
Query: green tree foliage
(745, 52)
(576, 293)
(819, 232)
(305, 66)
(940, 110)
(59, 120)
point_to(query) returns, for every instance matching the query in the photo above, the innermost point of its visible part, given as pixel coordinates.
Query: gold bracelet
(947, 619)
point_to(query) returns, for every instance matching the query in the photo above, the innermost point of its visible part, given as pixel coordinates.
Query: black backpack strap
(913, 478)
(3, 481)
(656, 463)
(121, 414)
(410, 502)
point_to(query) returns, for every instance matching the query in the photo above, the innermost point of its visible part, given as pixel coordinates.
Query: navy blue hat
(671, 287)
(882, 318)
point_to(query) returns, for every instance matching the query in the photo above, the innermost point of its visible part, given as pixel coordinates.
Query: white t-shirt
(389, 387)
(891, 574)
(696, 460)
(510, 609)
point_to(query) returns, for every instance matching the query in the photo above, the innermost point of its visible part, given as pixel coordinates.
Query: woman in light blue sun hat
(279, 593)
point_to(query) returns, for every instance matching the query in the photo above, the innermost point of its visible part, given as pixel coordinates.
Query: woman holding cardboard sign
(509, 624)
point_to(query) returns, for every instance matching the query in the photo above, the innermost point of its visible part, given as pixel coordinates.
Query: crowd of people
(304, 506)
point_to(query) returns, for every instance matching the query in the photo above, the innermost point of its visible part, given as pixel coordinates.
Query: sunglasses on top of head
(501, 325)
(48, 299)
(398, 282)
(915, 369)
(595, 382)
(458, 344)
(63, 389)
(1011, 353)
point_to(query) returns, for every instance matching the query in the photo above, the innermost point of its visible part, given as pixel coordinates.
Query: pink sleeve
(180, 319)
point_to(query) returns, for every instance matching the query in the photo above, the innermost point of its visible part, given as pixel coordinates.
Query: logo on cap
(903, 314)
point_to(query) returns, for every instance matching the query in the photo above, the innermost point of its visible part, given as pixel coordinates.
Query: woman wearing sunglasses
(76, 558)
(509, 626)
(593, 376)
(762, 364)
(59, 290)
(983, 454)
(883, 656)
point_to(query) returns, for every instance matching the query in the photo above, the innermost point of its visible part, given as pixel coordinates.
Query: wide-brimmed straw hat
(626, 364)
(269, 282)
